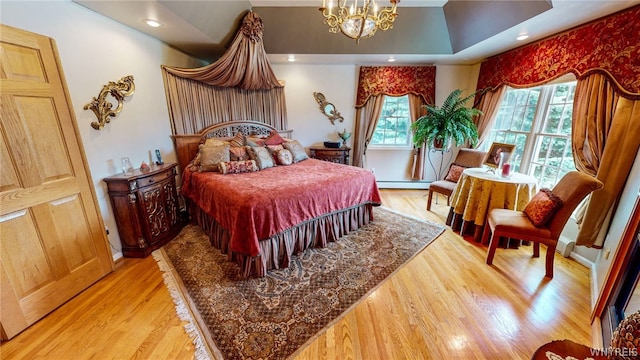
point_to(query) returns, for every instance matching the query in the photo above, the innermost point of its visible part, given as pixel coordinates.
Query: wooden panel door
(52, 239)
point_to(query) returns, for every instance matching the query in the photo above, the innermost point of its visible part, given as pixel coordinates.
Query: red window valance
(396, 81)
(610, 45)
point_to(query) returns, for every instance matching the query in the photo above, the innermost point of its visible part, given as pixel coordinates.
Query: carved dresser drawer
(336, 155)
(146, 208)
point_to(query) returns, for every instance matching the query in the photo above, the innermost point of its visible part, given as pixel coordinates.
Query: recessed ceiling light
(291, 58)
(153, 23)
(522, 37)
(391, 59)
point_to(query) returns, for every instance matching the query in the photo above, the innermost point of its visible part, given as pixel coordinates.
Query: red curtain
(396, 81)
(610, 45)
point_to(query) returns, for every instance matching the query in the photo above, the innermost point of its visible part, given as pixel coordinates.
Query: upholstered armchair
(543, 219)
(466, 158)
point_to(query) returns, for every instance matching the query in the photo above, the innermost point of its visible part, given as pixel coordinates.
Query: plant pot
(441, 144)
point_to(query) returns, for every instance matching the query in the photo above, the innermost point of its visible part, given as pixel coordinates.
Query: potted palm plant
(452, 121)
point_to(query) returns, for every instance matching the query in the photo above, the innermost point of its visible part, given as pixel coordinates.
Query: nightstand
(146, 208)
(336, 155)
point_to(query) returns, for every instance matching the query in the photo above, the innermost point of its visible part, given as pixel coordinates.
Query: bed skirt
(276, 251)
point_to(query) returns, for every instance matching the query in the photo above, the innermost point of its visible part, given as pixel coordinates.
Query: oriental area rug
(274, 317)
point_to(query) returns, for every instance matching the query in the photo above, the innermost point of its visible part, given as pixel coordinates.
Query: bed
(260, 219)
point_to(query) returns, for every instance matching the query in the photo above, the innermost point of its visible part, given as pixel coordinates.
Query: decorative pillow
(455, 171)
(273, 150)
(255, 141)
(238, 140)
(262, 157)
(215, 142)
(237, 167)
(273, 139)
(297, 151)
(238, 153)
(210, 156)
(542, 207)
(284, 157)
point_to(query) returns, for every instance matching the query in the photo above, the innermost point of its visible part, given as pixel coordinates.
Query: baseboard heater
(403, 184)
(565, 246)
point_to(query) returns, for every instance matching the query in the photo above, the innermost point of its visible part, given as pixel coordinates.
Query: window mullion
(538, 118)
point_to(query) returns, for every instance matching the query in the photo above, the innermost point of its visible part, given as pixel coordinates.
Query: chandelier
(358, 22)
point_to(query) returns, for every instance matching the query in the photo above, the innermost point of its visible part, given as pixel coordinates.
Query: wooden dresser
(336, 155)
(146, 208)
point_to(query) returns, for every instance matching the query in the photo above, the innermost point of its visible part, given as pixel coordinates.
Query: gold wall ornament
(327, 108)
(103, 108)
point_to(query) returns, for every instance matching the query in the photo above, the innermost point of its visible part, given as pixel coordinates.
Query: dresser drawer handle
(151, 181)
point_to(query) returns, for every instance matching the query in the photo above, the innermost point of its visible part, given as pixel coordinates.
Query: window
(538, 121)
(394, 125)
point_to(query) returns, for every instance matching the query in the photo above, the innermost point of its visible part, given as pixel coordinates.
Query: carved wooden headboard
(187, 145)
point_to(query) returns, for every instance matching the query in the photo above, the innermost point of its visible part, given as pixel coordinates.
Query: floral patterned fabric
(478, 192)
(237, 167)
(542, 207)
(396, 81)
(610, 45)
(455, 171)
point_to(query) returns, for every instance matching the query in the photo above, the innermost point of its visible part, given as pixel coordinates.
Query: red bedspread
(254, 206)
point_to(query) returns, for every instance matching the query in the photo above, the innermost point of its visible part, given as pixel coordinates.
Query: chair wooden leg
(449, 200)
(493, 244)
(536, 249)
(429, 200)
(485, 233)
(551, 252)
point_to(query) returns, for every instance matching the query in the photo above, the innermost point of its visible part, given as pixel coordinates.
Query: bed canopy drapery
(239, 86)
(604, 55)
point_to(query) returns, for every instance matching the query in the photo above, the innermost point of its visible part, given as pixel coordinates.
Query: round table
(480, 190)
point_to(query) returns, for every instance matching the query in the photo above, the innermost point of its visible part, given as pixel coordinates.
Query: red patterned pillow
(273, 139)
(542, 207)
(237, 167)
(455, 171)
(254, 141)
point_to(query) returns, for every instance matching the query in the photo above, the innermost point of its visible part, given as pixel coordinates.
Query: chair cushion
(516, 222)
(443, 187)
(542, 207)
(455, 171)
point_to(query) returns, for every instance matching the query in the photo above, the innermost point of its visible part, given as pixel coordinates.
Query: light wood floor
(444, 304)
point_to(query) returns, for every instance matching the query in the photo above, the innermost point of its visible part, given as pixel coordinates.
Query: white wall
(93, 51)
(336, 82)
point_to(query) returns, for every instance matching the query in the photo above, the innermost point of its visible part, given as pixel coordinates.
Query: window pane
(528, 119)
(543, 149)
(566, 121)
(553, 121)
(540, 130)
(393, 128)
(549, 178)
